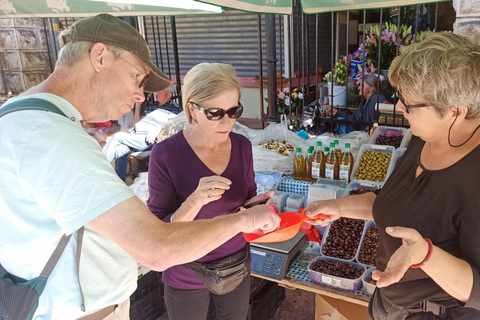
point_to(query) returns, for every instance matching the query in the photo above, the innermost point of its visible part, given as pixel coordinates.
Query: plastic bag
(140, 187)
(280, 133)
(267, 180)
(268, 160)
(245, 131)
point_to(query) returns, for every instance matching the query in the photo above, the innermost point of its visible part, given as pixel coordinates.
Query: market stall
(302, 262)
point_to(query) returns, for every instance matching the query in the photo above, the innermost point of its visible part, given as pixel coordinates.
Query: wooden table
(330, 304)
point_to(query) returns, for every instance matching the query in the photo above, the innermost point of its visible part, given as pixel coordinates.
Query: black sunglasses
(216, 114)
(408, 107)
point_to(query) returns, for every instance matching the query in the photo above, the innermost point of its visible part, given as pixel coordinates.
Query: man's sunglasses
(408, 107)
(216, 114)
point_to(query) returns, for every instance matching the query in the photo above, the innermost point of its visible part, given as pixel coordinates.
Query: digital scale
(273, 259)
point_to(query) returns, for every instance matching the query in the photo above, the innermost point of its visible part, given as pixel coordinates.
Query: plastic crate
(326, 189)
(368, 224)
(368, 288)
(406, 139)
(291, 186)
(295, 201)
(357, 184)
(264, 301)
(279, 198)
(146, 303)
(374, 147)
(335, 282)
(389, 131)
(264, 304)
(324, 241)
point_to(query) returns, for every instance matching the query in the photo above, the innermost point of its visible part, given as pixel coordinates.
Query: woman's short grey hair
(73, 52)
(442, 70)
(373, 81)
(207, 81)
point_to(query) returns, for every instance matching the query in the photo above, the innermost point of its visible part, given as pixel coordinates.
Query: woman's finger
(407, 234)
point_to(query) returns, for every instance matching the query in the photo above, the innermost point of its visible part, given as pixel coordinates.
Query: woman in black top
(428, 212)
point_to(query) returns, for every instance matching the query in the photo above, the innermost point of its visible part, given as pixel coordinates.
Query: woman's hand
(259, 197)
(210, 189)
(327, 207)
(413, 250)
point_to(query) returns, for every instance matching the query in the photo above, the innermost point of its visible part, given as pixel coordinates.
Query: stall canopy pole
(316, 59)
(347, 61)
(260, 69)
(175, 56)
(48, 47)
(166, 46)
(159, 44)
(290, 57)
(271, 68)
(332, 63)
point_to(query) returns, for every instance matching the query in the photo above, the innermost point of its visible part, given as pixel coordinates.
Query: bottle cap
(332, 145)
(347, 145)
(336, 141)
(310, 150)
(319, 143)
(299, 149)
(327, 149)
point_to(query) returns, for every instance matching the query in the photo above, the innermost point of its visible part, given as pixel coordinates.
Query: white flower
(300, 95)
(287, 100)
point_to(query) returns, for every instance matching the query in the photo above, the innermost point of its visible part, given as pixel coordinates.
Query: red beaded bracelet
(428, 256)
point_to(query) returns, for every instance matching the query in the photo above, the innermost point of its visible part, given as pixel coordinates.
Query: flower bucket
(339, 95)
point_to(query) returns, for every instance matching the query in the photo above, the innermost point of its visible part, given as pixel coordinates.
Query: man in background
(143, 136)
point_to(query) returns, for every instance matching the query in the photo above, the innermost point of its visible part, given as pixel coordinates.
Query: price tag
(332, 281)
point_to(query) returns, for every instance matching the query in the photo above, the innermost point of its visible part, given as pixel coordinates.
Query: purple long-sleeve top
(174, 173)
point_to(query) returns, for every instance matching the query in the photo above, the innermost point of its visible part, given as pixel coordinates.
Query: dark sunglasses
(216, 114)
(408, 107)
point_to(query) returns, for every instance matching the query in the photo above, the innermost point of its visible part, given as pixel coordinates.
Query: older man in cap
(55, 180)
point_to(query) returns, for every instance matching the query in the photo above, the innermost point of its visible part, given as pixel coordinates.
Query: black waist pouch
(223, 275)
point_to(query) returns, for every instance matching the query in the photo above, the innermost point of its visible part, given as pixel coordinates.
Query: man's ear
(98, 56)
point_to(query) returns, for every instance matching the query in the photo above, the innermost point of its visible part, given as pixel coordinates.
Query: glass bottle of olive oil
(298, 165)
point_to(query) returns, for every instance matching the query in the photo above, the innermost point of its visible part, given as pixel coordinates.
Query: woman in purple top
(202, 172)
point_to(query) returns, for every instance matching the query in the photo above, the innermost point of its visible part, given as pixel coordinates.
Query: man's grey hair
(73, 52)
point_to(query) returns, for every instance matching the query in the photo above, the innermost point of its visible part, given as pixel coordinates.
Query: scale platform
(273, 259)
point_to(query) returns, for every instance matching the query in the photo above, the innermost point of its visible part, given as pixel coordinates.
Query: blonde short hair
(206, 81)
(73, 52)
(442, 70)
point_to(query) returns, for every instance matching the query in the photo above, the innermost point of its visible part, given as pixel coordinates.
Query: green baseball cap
(111, 30)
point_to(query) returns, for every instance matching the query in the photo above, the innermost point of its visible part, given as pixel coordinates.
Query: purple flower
(409, 36)
(281, 95)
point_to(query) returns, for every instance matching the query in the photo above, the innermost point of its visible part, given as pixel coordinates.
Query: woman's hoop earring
(194, 122)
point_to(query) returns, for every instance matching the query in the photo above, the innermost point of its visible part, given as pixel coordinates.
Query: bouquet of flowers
(284, 103)
(389, 37)
(339, 72)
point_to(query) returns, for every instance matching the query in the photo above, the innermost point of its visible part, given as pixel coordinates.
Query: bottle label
(329, 168)
(315, 170)
(344, 174)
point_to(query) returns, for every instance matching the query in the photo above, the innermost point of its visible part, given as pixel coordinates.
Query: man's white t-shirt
(55, 179)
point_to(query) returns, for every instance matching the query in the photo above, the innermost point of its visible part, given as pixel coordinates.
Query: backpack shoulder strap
(44, 105)
(30, 104)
